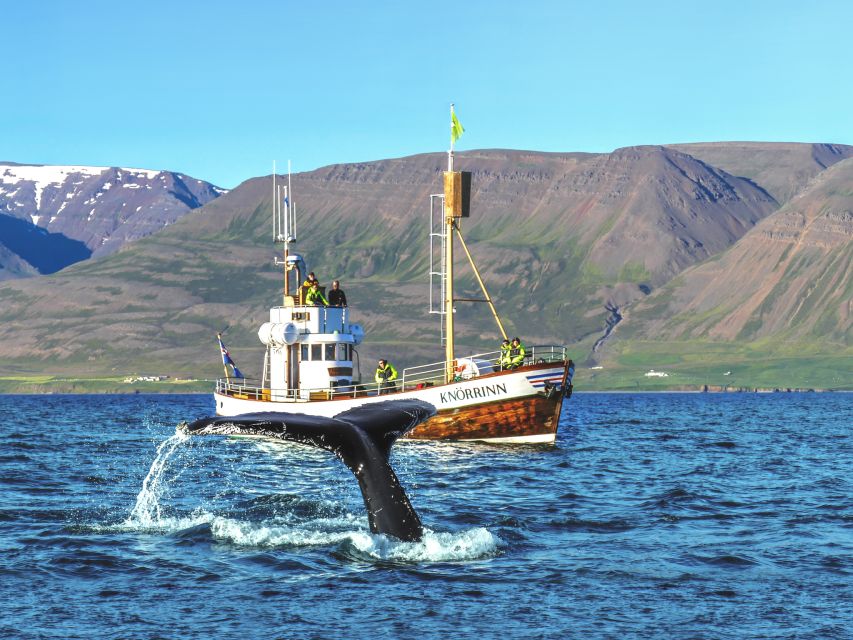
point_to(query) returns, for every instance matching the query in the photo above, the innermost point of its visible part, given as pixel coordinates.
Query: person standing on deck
(337, 297)
(516, 353)
(385, 376)
(310, 279)
(504, 360)
(315, 297)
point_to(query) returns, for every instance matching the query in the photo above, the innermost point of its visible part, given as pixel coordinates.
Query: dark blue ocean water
(655, 516)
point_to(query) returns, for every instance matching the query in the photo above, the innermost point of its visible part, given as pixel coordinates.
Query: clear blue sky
(219, 90)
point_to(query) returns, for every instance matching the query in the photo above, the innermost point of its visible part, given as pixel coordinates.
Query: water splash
(147, 512)
(358, 544)
(471, 544)
(289, 528)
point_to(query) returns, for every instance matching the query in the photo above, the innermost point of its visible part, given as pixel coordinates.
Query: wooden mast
(449, 222)
(457, 193)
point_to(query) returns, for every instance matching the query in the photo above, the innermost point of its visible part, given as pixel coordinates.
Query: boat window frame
(343, 351)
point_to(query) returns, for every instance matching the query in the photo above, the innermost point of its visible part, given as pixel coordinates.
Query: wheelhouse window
(330, 351)
(305, 352)
(316, 352)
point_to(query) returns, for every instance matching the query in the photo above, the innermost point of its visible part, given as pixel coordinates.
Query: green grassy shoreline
(44, 384)
(601, 380)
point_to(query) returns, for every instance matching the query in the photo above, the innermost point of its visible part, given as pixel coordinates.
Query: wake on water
(346, 531)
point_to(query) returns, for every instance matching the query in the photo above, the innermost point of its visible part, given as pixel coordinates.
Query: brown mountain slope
(783, 169)
(790, 278)
(557, 236)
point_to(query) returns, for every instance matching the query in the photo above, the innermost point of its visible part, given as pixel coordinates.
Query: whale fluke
(361, 438)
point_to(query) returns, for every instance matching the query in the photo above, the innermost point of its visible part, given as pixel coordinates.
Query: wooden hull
(532, 419)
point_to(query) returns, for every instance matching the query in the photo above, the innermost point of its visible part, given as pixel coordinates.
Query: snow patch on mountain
(43, 175)
(101, 207)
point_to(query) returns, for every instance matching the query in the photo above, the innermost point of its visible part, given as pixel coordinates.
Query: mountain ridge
(100, 207)
(562, 240)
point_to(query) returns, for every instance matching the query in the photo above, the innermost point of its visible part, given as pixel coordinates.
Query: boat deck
(412, 379)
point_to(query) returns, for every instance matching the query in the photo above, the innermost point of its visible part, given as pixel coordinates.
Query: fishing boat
(311, 348)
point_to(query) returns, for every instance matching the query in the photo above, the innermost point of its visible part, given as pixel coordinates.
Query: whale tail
(362, 438)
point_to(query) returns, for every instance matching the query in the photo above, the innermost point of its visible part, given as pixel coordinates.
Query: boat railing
(413, 378)
(436, 372)
(246, 389)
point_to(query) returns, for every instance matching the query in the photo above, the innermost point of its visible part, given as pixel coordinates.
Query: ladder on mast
(438, 271)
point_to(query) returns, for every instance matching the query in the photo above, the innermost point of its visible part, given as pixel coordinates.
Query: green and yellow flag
(456, 128)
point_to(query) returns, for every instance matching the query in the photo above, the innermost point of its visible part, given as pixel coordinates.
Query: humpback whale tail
(361, 438)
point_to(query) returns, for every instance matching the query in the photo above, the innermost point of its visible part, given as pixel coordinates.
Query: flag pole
(450, 153)
(224, 366)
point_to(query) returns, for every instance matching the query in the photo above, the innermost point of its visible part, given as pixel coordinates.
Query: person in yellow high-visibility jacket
(315, 296)
(385, 376)
(504, 360)
(516, 353)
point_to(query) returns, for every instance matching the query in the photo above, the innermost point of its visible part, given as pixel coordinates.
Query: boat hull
(520, 406)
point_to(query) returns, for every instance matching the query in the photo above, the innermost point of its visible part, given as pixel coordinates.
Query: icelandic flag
(226, 358)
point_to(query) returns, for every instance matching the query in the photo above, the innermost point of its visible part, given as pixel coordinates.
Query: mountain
(784, 290)
(95, 209)
(29, 250)
(790, 276)
(561, 239)
(783, 169)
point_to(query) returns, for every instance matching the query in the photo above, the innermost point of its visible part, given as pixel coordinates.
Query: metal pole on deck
(286, 242)
(224, 366)
(482, 285)
(448, 262)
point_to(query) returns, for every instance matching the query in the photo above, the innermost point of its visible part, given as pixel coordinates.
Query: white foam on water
(253, 534)
(471, 544)
(162, 524)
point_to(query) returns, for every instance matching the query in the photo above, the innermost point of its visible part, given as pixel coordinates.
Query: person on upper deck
(337, 297)
(504, 360)
(315, 297)
(516, 353)
(310, 279)
(385, 376)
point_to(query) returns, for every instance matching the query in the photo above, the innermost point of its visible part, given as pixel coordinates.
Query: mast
(456, 204)
(284, 224)
(448, 261)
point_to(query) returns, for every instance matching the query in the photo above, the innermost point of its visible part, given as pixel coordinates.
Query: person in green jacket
(504, 360)
(516, 353)
(385, 376)
(315, 296)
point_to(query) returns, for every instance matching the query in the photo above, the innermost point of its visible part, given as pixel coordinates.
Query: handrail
(431, 374)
